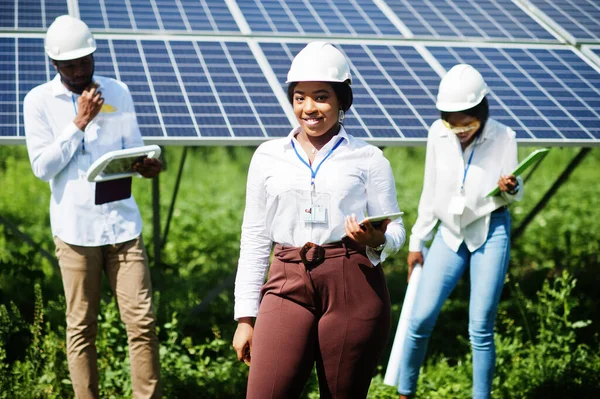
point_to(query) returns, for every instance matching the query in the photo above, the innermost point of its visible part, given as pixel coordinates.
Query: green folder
(535, 156)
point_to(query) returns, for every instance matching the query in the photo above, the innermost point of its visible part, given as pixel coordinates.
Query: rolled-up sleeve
(255, 246)
(381, 200)
(48, 153)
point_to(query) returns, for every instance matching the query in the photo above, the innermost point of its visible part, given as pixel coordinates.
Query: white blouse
(495, 155)
(355, 178)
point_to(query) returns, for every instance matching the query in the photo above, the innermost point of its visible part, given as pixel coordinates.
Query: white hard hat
(319, 62)
(68, 38)
(461, 88)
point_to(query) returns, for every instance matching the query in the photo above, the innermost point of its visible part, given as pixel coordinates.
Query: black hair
(481, 111)
(342, 91)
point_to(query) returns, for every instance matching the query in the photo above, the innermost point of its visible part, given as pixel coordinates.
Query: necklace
(314, 150)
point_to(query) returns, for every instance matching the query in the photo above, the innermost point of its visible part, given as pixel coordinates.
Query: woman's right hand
(242, 338)
(414, 258)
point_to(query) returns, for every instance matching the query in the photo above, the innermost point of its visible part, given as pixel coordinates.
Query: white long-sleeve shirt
(355, 179)
(495, 155)
(56, 152)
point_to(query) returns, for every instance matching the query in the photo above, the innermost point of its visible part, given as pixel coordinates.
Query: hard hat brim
(457, 107)
(72, 55)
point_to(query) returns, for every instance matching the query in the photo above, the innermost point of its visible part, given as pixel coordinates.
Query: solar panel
(158, 15)
(216, 73)
(216, 91)
(469, 19)
(327, 17)
(30, 14)
(181, 89)
(578, 19)
(544, 94)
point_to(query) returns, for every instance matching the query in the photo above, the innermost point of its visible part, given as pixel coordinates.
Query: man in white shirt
(70, 122)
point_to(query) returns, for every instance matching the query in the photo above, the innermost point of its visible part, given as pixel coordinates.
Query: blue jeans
(441, 272)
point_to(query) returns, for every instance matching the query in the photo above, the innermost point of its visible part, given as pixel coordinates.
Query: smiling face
(464, 126)
(316, 107)
(76, 74)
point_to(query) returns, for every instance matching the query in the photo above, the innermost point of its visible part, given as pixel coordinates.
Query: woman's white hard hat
(461, 88)
(68, 38)
(319, 62)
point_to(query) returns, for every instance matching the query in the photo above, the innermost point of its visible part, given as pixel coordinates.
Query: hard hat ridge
(68, 38)
(319, 61)
(461, 88)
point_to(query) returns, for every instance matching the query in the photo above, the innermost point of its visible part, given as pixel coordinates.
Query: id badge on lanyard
(316, 210)
(314, 207)
(456, 206)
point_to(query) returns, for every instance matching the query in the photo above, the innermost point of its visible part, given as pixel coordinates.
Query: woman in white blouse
(468, 154)
(325, 300)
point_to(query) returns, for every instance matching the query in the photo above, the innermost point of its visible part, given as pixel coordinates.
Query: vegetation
(548, 324)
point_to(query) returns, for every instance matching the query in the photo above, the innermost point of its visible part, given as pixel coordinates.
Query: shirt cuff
(72, 135)
(377, 257)
(245, 308)
(415, 244)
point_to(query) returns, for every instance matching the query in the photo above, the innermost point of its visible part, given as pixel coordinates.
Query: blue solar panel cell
(481, 19)
(580, 19)
(340, 17)
(158, 15)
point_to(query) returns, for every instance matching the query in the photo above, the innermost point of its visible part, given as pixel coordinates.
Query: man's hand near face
(88, 106)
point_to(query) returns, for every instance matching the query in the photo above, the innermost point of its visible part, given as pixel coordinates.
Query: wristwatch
(379, 248)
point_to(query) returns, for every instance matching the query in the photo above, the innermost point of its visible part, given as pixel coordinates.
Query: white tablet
(376, 220)
(118, 164)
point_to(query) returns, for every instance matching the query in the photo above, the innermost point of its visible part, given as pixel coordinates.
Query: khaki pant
(126, 266)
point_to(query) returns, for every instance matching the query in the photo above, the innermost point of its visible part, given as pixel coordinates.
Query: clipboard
(534, 157)
(119, 164)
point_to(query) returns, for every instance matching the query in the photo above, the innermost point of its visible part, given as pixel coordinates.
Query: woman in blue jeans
(468, 155)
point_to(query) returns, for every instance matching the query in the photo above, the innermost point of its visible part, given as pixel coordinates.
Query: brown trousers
(335, 313)
(126, 266)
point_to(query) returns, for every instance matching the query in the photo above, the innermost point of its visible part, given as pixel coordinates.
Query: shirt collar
(290, 137)
(59, 89)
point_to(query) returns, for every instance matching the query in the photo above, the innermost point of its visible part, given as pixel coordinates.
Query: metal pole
(175, 191)
(559, 182)
(156, 220)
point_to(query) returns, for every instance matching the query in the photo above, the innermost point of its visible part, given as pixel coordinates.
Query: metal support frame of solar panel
(578, 21)
(223, 97)
(592, 52)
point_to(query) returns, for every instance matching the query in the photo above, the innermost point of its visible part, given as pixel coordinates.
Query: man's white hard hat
(68, 38)
(461, 88)
(319, 62)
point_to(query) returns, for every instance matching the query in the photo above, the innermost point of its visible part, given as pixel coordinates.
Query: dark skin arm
(148, 167)
(507, 183)
(365, 233)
